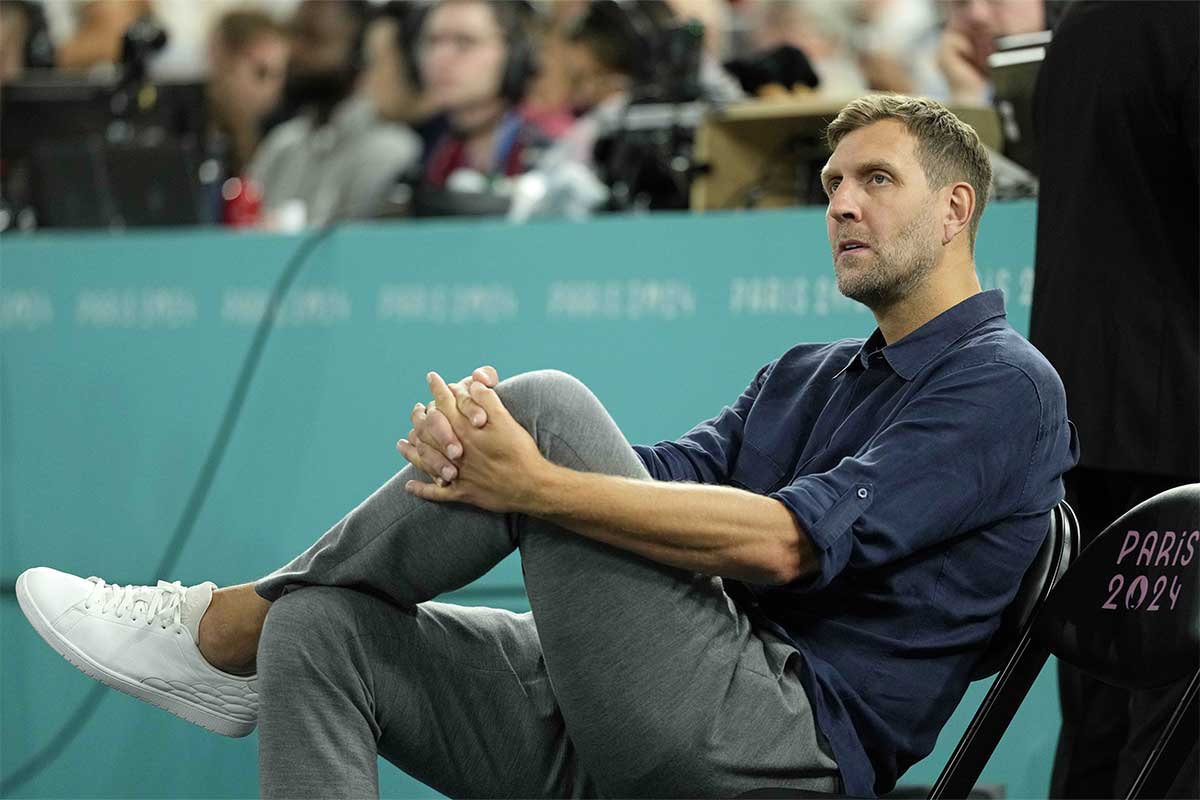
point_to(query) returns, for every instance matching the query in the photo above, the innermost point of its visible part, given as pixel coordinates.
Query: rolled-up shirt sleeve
(966, 442)
(707, 452)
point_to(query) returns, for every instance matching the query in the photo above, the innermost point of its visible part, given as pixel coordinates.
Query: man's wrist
(550, 485)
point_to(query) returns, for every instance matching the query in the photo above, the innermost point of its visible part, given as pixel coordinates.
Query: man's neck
(941, 292)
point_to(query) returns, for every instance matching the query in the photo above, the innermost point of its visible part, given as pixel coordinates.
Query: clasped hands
(475, 451)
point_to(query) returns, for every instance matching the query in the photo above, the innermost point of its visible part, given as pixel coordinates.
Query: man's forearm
(717, 530)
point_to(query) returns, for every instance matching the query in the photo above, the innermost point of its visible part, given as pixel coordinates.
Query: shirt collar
(911, 354)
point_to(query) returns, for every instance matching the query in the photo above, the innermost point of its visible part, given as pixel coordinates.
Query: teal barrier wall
(119, 353)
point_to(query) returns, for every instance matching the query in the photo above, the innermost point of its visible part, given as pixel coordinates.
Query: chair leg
(1172, 747)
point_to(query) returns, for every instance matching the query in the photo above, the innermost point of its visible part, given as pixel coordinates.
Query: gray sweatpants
(628, 679)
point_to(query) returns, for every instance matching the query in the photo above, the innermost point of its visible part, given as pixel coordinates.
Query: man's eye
(879, 178)
(833, 186)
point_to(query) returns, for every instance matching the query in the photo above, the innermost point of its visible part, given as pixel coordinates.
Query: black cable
(187, 520)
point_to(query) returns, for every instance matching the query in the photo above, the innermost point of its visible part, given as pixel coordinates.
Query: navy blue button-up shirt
(923, 472)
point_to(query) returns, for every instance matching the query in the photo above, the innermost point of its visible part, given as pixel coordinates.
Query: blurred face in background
(384, 80)
(323, 33)
(981, 21)
(249, 82)
(590, 82)
(462, 54)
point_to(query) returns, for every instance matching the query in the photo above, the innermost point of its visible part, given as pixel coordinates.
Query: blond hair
(948, 149)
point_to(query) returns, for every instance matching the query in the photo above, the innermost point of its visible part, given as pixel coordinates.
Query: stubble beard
(897, 269)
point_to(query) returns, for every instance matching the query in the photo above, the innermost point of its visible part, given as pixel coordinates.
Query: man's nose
(844, 205)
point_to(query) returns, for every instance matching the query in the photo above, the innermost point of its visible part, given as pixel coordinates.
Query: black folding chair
(1128, 613)
(1013, 654)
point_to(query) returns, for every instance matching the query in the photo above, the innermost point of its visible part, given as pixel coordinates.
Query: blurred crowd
(319, 106)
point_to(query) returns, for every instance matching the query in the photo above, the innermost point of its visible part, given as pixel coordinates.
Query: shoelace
(161, 604)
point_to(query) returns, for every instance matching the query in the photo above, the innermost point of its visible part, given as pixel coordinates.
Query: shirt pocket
(755, 472)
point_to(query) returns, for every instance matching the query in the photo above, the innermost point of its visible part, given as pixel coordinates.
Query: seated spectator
(477, 61)
(326, 48)
(337, 158)
(794, 593)
(248, 54)
(972, 27)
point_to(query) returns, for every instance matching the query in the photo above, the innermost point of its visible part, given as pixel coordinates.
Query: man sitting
(793, 593)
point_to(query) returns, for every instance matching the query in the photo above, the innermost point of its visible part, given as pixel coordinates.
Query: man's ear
(957, 211)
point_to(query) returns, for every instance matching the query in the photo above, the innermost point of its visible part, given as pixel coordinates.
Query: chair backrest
(1010, 653)
(1059, 548)
(1128, 613)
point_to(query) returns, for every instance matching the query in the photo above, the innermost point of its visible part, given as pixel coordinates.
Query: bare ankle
(230, 628)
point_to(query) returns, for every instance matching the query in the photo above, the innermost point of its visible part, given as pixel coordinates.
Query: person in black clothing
(1115, 309)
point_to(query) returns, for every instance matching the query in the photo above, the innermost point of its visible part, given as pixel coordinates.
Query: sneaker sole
(184, 709)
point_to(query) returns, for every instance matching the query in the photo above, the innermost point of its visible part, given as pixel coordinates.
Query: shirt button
(862, 493)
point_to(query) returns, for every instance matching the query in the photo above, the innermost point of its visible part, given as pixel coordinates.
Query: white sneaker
(140, 640)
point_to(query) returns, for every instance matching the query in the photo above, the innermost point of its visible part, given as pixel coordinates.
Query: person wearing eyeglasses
(477, 61)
